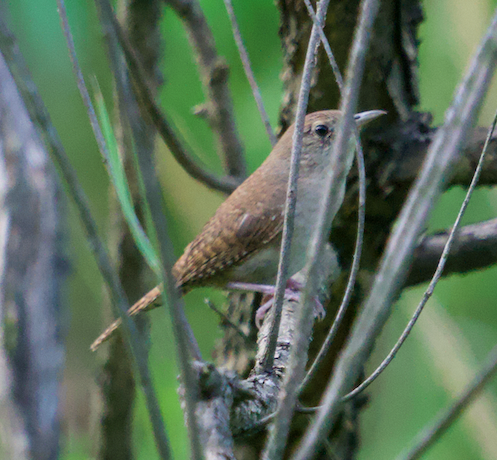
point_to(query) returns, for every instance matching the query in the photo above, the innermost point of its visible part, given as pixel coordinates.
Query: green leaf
(118, 177)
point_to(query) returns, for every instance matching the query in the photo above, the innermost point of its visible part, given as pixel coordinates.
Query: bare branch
(257, 406)
(14, 440)
(251, 402)
(361, 214)
(41, 118)
(212, 410)
(475, 247)
(255, 398)
(404, 167)
(184, 339)
(326, 45)
(341, 161)
(225, 321)
(214, 72)
(291, 195)
(117, 382)
(462, 173)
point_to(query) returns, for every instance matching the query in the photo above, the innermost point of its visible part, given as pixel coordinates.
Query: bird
(239, 247)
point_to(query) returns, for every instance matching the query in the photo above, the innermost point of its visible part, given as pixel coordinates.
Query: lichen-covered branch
(229, 407)
(212, 410)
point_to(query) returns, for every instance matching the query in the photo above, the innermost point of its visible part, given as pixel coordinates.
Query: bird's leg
(267, 289)
(297, 287)
(292, 292)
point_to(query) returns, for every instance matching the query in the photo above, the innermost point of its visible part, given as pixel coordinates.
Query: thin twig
(120, 303)
(184, 339)
(395, 263)
(426, 438)
(291, 196)
(214, 72)
(436, 276)
(341, 162)
(226, 320)
(361, 217)
(117, 382)
(242, 51)
(354, 270)
(151, 109)
(324, 40)
(80, 81)
(41, 117)
(278, 436)
(105, 10)
(306, 410)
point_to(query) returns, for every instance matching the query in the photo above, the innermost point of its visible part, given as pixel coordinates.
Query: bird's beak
(365, 117)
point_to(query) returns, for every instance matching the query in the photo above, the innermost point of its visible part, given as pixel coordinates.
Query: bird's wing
(232, 235)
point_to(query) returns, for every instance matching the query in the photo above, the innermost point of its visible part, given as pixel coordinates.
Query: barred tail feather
(106, 335)
(147, 302)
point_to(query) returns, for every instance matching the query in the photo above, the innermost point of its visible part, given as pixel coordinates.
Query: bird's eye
(321, 130)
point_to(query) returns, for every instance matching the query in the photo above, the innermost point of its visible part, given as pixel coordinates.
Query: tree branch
(446, 417)
(212, 410)
(262, 387)
(214, 72)
(415, 135)
(341, 161)
(136, 347)
(466, 165)
(475, 247)
(247, 67)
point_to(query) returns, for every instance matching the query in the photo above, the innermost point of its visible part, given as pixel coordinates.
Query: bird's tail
(147, 302)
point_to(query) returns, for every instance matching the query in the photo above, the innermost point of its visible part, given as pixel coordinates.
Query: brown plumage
(240, 243)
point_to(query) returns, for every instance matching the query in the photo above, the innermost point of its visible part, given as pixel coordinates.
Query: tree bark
(32, 272)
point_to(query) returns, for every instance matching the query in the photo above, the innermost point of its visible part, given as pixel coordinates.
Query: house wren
(239, 247)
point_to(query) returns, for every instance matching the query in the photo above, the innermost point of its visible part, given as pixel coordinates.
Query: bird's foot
(292, 293)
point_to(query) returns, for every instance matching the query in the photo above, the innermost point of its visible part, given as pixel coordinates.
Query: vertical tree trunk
(32, 272)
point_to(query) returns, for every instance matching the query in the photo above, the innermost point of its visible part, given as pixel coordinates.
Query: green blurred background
(460, 325)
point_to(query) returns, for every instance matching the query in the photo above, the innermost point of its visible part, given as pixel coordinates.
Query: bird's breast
(260, 267)
(309, 196)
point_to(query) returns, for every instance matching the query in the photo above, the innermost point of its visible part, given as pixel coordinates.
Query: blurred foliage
(411, 390)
